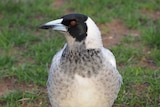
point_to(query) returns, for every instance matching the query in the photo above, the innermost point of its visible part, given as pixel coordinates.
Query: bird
(83, 73)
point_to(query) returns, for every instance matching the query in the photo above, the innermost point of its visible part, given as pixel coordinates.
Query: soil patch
(9, 84)
(113, 31)
(147, 61)
(58, 3)
(151, 14)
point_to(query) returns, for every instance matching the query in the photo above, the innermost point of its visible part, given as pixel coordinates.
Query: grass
(139, 86)
(26, 52)
(18, 98)
(151, 34)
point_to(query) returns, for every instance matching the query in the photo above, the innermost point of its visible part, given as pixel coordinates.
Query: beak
(55, 25)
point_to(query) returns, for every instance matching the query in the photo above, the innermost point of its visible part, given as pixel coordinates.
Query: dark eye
(73, 23)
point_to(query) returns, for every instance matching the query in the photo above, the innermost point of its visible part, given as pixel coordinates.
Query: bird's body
(83, 73)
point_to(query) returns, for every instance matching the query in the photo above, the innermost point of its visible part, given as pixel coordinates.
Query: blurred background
(130, 29)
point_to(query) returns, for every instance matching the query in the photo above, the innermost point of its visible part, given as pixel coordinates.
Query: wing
(109, 56)
(114, 78)
(56, 59)
(54, 66)
(51, 87)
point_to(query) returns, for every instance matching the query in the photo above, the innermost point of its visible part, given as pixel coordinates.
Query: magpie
(83, 73)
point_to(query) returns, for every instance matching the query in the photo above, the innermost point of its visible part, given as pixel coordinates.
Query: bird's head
(78, 29)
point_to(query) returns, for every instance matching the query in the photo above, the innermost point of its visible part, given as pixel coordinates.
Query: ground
(117, 35)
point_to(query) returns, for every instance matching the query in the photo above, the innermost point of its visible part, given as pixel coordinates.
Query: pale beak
(55, 25)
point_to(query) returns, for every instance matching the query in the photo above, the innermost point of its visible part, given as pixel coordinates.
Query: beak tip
(44, 27)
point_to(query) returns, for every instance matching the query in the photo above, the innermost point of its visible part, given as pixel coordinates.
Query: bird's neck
(75, 46)
(88, 43)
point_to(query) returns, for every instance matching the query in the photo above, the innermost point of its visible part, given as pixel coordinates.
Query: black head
(74, 24)
(77, 28)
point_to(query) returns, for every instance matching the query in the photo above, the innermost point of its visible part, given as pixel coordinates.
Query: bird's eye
(73, 23)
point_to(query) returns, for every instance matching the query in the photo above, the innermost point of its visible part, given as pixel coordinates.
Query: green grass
(140, 87)
(132, 54)
(151, 34)
(18, 98)
(26, 52)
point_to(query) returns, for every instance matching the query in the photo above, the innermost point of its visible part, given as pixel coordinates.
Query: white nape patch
(93, 39)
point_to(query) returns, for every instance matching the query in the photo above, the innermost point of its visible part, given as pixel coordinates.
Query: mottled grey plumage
(82, 74)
